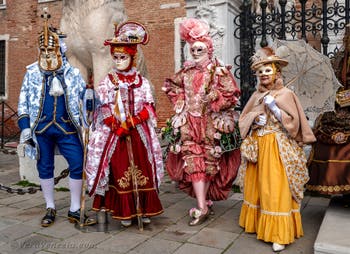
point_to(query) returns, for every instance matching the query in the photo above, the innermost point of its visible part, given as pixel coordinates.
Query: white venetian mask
(122, 61)
(199, 51)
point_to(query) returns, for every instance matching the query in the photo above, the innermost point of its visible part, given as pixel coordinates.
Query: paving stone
(29, 203)
(189, 248)
(15, 232)
(158, 224)
(179, 232)
(6, 210)
(249, 245)
(62, 229)
(236, 196)
(171, 198)
(213, 238)
(15, 198)
(228, 221)
(99, 251)
(156, 246)
(319, 201)
(178, 210)
(5, 223)
(333, 236)
(123, 242)
(27, 214)
(81, 242)
(33, 244)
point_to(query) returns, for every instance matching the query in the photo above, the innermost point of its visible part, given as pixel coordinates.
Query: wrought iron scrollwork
(305, 20)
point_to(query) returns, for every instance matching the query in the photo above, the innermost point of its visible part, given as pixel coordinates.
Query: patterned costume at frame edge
(273, 169)
(49, 117)
(329, 164)
(204, 94)
(124, 166)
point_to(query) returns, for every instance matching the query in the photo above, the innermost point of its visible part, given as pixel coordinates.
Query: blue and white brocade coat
(31, 98)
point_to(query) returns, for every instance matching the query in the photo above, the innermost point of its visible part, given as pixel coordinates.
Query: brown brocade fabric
(331, 123)
(329, 169)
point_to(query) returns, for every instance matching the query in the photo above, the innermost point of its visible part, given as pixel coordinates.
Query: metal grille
(2, 67)
(308, 20)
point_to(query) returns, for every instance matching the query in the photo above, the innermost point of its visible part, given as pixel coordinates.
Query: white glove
(26, 137)
(271, 103)
(260, 120)
(179, 105)
(26, 134)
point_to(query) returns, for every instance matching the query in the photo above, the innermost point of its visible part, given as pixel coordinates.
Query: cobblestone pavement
(20, 230)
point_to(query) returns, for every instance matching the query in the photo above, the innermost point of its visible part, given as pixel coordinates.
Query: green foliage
(236, 189)
(231, 141)
(168, 134)
(169, 137)
(26, 183)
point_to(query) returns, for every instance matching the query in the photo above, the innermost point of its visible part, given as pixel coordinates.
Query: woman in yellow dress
(273, 169)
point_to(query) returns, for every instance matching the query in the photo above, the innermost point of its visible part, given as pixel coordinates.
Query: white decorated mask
(199, 51)
(122, 61)
(266, 69)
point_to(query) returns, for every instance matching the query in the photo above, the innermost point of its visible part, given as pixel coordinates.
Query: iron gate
(303, 20)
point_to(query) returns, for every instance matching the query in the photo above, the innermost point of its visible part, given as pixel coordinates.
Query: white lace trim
(271, 213)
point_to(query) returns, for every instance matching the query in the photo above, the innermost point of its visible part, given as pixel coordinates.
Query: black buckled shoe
(49, 217)
(74, 217)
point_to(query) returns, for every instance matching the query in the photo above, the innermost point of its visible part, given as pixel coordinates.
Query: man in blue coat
(49, 117)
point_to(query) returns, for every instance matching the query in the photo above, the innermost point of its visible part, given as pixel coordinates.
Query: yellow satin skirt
(268, 208)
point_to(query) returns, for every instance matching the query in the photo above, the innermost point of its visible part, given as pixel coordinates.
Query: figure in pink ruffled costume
(204, 94)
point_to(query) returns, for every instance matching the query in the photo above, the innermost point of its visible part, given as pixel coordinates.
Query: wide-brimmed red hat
(128, 33)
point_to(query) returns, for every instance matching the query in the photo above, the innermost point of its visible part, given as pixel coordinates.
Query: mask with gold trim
(50, 57)
(268, 70)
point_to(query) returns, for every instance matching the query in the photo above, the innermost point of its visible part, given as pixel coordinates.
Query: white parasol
(310, 75)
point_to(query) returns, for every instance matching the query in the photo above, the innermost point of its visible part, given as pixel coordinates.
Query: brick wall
(158, 17)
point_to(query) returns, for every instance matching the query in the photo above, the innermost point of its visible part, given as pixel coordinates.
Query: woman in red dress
(124, 162)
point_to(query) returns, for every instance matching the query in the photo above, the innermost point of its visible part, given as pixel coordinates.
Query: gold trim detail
(327, 161)
(132, 172)
(329, 189)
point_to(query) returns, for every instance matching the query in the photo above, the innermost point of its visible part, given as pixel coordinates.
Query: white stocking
(47, 187)
(75, 194)
(200, 189)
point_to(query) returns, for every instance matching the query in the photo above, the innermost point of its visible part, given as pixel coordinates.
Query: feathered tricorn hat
(128, 33)
(267, 55)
